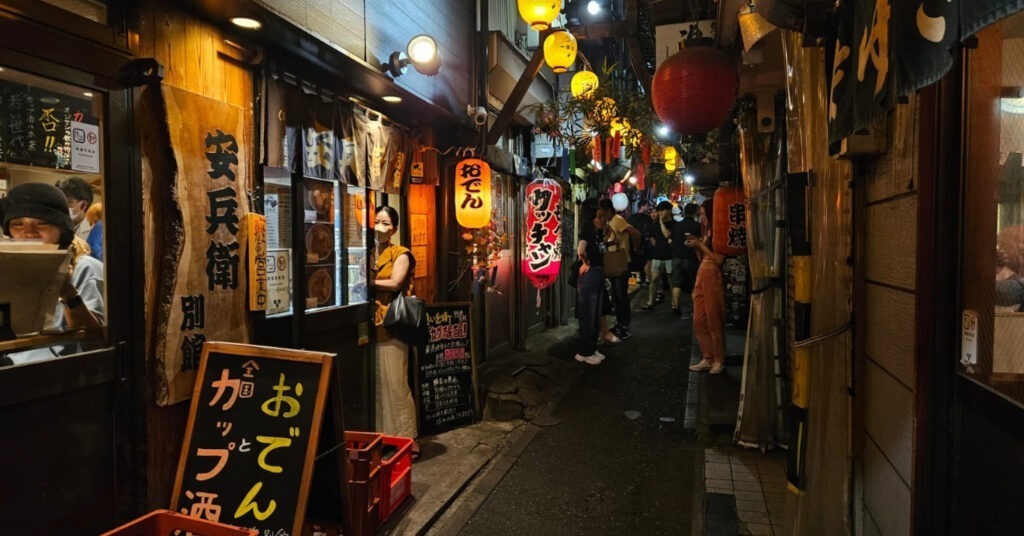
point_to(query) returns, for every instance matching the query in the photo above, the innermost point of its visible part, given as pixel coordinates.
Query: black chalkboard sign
(446, 370)
(251, 438)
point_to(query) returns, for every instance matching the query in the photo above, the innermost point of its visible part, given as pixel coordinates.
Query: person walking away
(708, 301)
(641, 221)
(684, 259)
(394, 266)
(618, 243)
(590, 287)
(661, 254)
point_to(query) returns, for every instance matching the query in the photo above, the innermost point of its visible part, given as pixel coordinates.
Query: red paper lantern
(730, 221)
(694, 90)
(543, 257)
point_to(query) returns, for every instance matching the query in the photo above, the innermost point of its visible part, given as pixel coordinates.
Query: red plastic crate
(164, 522)
(395, 476)
(363, 455)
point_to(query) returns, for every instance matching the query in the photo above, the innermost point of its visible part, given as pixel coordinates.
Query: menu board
(42, 128)
(446, 370)
(251, 437)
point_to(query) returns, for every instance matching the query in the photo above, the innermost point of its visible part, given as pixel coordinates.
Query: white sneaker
(588, 359)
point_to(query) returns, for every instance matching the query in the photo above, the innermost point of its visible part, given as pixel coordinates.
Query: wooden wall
(187, 48)
(421, 200)
(886, 323)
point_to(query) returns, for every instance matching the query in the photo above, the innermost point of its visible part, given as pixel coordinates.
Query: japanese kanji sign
(251, 437)
(473, 193)
(730, 221)
(543, 258)
(446, 370)
(209, 276)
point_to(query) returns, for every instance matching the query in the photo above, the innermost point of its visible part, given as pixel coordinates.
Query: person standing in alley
(708, 299)
(590, 287)
(641, 221)
(621, 235)
(661, 253)
(393, 268)
(684, 259)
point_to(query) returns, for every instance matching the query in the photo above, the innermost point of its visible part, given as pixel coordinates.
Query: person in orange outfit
(708, 301)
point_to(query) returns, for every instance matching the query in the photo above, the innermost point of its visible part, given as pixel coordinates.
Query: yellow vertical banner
(256, 229)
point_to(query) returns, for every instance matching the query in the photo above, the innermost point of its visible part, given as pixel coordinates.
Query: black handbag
(406, 319)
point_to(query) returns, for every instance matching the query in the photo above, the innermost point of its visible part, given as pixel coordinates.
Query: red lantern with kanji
(694, 90)
(730, 221)
(473, 193)
(543, 257)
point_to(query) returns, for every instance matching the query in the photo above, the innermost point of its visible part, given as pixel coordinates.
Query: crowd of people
(670, 248)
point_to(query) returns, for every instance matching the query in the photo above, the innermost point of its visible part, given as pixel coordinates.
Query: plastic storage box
(395, 476)
(164, 522)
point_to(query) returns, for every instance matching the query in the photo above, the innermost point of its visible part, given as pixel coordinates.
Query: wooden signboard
(446, 370)
(252, 435)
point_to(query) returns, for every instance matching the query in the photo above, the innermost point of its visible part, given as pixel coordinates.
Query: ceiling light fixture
(247, 23)
(593, 7)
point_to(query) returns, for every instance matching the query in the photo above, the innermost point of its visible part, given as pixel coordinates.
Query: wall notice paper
(279, 281)
(85, 147)
(418, 229)
(969, 348)
(33, 274)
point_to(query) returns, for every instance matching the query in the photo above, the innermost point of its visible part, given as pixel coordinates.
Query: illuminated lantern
(473, 193)
(694, 90)
(583, 84)
(560, 51)
(730, 221)
(543, 258)
(539, 13)
(670, 158)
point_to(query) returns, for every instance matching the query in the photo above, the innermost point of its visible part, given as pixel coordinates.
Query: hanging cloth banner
(884, 49)
(543, 258)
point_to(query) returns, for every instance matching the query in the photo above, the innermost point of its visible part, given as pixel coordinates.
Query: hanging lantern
(694, 90)
(583, 84)
(473, 193)
(730, 221)
(539, 13)
(543, 258)
(671, 155)
(560, 51)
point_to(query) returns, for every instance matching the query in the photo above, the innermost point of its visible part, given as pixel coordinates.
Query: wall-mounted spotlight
(593, 7)
(421, 53)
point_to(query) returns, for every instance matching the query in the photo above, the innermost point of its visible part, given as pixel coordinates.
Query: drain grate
(720, 518)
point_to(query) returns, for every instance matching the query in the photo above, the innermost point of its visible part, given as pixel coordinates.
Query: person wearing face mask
(38, 211)
(393, 269)
(79, 196)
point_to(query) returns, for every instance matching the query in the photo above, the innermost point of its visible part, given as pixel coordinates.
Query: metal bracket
(141, 72)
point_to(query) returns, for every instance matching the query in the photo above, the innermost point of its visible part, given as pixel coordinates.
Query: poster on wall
(36, 125)
(85, 147)
(204, 287)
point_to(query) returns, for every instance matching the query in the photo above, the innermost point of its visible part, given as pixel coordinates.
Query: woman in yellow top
(394, 266)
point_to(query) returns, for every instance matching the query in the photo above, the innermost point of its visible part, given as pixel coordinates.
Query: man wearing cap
(39, 211)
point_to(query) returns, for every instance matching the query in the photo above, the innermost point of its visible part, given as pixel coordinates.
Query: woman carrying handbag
(394, 266)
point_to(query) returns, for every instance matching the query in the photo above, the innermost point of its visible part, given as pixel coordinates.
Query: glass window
(993, 264)
(52, 288)
(334, 227)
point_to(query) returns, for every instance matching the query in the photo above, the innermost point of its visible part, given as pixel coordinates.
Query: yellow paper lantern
(670, 158)
(560, 51)
(539, 13)
(473, 193)
(583, 84)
